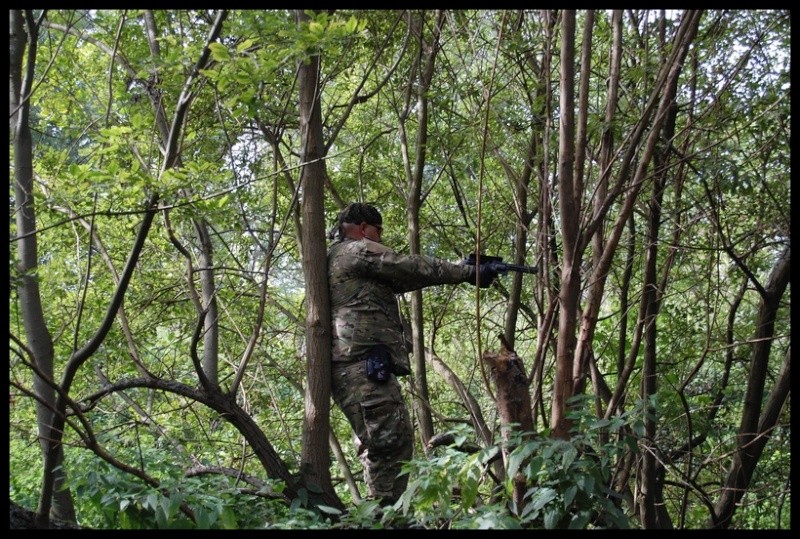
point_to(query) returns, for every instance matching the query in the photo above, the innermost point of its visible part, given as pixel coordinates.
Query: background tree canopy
(173, 175)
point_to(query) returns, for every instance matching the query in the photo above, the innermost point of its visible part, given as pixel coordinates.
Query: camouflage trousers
(381, 425)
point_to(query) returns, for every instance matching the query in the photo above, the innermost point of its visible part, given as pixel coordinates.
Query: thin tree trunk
(545, 287)
(648, 510)
(580, 366)
(597, 283)
(754, 428)
(521, 224)
(38, 337)
(315, 456)
(208, 288)
(205, 270)
(653, 513)
(569, 205)
(424, 71)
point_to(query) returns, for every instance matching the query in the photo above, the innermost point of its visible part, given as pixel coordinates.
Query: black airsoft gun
(498, 266)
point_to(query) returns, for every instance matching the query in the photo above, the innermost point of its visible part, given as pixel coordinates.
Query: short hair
(357, 212)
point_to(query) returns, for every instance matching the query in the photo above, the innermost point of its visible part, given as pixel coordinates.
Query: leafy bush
(567, 480)
(570, 478)
(25, 466)
(109, 498)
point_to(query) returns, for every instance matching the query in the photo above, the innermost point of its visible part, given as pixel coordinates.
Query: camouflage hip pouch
(378, 363)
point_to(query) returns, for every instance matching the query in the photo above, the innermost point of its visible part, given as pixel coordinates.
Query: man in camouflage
(364, 276)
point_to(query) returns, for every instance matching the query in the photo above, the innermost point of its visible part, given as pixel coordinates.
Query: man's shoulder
(344, 254)
(362, 246)
(340, 245)
(375, 247)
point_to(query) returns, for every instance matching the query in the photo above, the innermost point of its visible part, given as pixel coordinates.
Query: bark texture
(513, 401)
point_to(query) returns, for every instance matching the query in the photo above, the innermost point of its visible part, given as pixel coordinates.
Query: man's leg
(380, 420)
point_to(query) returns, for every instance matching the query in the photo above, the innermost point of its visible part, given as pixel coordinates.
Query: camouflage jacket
(364, 277)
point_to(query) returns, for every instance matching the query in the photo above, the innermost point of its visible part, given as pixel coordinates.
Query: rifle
(498, 266)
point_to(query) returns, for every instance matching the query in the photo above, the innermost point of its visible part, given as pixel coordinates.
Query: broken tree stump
(513, 401)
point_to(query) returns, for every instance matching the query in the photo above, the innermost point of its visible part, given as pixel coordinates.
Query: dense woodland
(173, 177)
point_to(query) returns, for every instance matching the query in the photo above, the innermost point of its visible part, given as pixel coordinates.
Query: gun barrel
(502, 267)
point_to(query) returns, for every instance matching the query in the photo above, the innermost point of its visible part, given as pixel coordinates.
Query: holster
(378, 362)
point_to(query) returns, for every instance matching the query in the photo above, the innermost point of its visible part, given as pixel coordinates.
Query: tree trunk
(315, 465)
(208, 287)
(580, 365)
(513, 403)
(424, 77)
(648, 510)
(754, 432)
(569, 212)
(596, 285)
(38, 336)
(20, 518)
(654, 514)
(207, 301)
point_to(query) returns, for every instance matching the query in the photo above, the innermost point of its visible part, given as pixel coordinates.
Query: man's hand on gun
(484, 275)
(492, 266)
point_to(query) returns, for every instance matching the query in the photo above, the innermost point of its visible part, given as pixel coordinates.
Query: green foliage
(494, 98)
(25, 465)
(429, 496)
(111, 499)
(568, 481)
(571, 478)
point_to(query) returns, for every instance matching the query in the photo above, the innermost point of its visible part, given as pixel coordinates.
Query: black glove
(487, 275)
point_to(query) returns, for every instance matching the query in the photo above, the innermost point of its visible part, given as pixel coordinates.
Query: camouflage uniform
(364, 277)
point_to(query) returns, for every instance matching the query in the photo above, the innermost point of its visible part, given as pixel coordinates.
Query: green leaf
(579, 520)
(246, 44)
(518, 456)
(175, 501)
(161, 518)
(534, 466)
(151, 502)
(201, 517)
(586, 483)
(228, 519)
(219, 52)
(542, 497)
(569, 456)
(329, 510)
(569, 495)
(551, 519)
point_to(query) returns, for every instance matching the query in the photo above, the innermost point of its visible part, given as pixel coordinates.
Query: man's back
(363, 306)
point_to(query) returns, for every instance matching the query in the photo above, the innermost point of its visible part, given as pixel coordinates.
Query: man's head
(358, 221)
